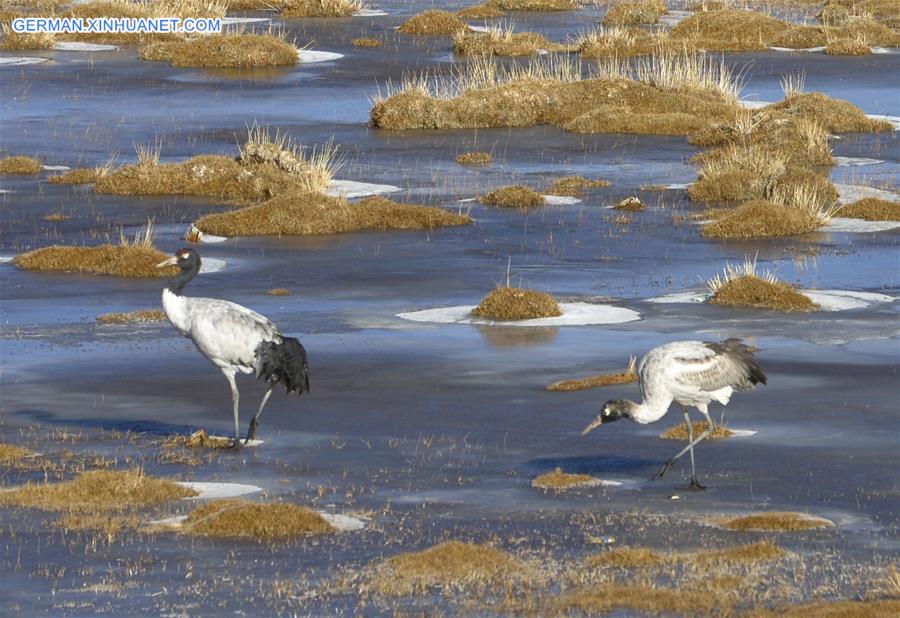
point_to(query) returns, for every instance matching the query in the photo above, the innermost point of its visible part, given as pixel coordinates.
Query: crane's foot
(251, 432)
(236, 445)
(663, 470)
(695, 485)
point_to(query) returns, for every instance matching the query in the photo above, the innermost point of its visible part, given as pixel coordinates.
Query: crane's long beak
(594, 424)
(172, 261)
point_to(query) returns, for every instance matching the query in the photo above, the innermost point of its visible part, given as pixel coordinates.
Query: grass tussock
(847, 47)
(627, 558)
(764, 551)
(743, 286)
(680, 432)
(533, 5)
(25, 40)
(631, 203)
(645, 599)
(452, 566)
(575, 186)
(108, 524)
(507, 303)
(474, 158)
(502, 41)
(319, 8)
(604, 379)
(232, 519)
(433, 23)
(116, 260)
(142, 316)
(479, 11)
(632, 13)
(729, 30)
(96, 491)
(20, 165)
(833, 115)
(279, 292)
(777, 521)
(223, 51)
(881, 608)
(559, 480)
(198, 439)
(515, 196)
(871, 209)
(79, 176)
(703, 559)
(620, 42)
(10, 453)
(367, 42)
(305, 214)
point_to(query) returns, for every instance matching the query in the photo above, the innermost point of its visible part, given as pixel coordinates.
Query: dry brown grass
(533, 5)
(776, 521)
(117, 260)
(639, 598)
(700, 559)
(224, 51)
(604, 379)
(627, 558)
(320, 8)
(367, 42)
(832, 609)
(96, 491)
(108, 524)
(833, 115)
(79, 176)
(729, 30)
(515, 196)
(559, 480)
(847, 47)
(617, 42)
(764, 551)
(680, 432)
(507, 303)
(479, 11)
(433, 23)
(742, 286)
(474, 158)
(761, 219)
(575, 186)
(56, 217)
(313, 213)
(630, 203)
(279, 292)
(198, 439)
(142, 316)
(871, 209)
(10, 453)
(233, 519)
(632, 13)
(25, 40)
(450, 566)
(20, 165)
(502, 41)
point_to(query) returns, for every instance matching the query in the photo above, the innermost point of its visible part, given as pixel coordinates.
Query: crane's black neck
(188, 271)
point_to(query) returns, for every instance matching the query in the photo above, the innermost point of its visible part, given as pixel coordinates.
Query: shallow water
(437, 429)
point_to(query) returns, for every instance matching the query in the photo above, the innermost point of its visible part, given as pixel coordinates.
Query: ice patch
(7, 259)
(883, 50)
(754, 104)
(894, 120)
(211, 265)
(678, 185)
(855, 161)
(369, 13)
(214, 491)
(195, 234)
(859, 226)
(76, 46)
(559, 200)
(851, 193)
(479, 28)
(673, 18)
(573, 314)
(680, 297)
(309, 56)
(799, 49)
(16, 61)
(351, 189)
(742, 433)
(828, 300)
(343, 523)
(228, 21)
(55, 168)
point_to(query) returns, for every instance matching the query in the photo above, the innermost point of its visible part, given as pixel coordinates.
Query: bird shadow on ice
(600, 465)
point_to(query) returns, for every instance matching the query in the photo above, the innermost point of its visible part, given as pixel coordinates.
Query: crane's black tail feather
(283, 362)
(744, 354)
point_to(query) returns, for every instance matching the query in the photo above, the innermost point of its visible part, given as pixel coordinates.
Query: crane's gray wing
(730, 363)
(229, 334)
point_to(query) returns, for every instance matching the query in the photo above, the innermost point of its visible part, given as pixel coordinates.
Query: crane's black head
(188, 261)
(612, 410)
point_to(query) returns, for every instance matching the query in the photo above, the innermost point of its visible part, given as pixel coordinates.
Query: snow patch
(573, 314)
(894, 120)
(799, 49)
(214, 491)
(678, 185)
(860, 226)
(55, 168)
(16, 61)
(679, 297)
(76, 46)
(228, 21)
(742, 433)
(855, 161)
(479, 28)
(828, 300)
(351, 189)
(310, 56)
(343, 523)
(851, 193)
(673, 18)
(369, 13)
(754, 104)
(559, 200)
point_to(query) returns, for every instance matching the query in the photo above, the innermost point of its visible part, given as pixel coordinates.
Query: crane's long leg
(689, 447)
(235, 401)
(690, 430)
(251, 432)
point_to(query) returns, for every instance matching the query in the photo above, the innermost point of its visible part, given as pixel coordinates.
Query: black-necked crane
(691, 373)
(234, 338)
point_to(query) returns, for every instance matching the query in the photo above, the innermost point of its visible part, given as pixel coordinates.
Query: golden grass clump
(507, 303)
(871, 209)
(20, 165)
(433, 23)
(78, 176)
(627, 558)
(533, 5)
(314, 213)
(245, 519)
(833, 115)
(474, 158)
(632, 13)
(729, 30)
(319, 8)
(111, 525)
(777, 521)
(881, 608)
(761, 219)
(452, 565)
(10, 453)
(25, 40)
(501, 41)
(96, 491)
(223, 51)
(138, 260)
(575, 186)
(645, 599)
(618, 42)
(198, 439)
(479, 11)
(515, 196)
(367, 42)
(764, 551)
(559, 480)
(680, 432)
(847, 47)
(743, 286)
(604, 379)
(142, 316)
(279, 292)
(632, 203)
